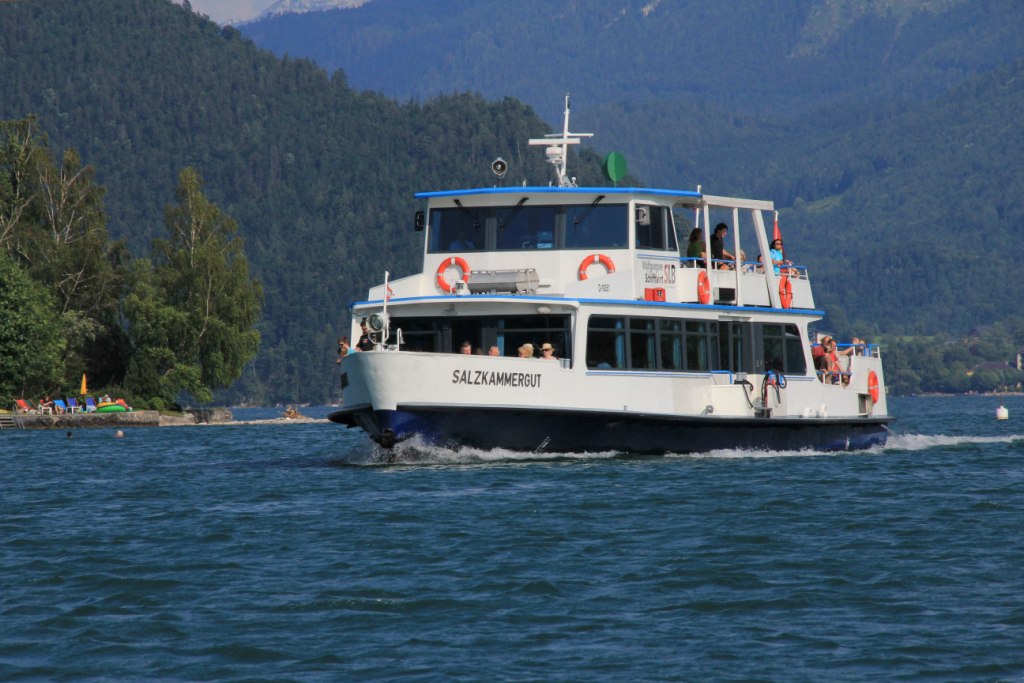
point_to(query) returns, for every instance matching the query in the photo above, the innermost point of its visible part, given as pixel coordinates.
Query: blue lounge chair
(90, 405)
(60, 405)
(73, 405)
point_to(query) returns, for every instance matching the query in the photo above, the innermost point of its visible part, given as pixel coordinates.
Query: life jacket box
(654, 293)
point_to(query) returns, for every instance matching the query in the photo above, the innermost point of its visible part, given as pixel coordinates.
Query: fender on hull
(562, 431)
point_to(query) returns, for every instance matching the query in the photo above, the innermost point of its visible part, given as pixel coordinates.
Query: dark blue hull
(561, 431)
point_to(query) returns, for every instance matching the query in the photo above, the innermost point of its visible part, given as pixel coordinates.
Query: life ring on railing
(594, 258)
(452, 261)
(786, 291)
(703, 287)
(873, 386)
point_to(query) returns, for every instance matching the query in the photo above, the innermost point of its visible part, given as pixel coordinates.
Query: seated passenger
(547, 351)
(526, 350)
(747, 267)
(466, 349)
(494, 351)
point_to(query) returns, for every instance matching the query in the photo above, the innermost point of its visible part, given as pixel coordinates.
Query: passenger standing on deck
(364, 343)
(343, 348)
(718, 250)
(695, 249)
(778, 258)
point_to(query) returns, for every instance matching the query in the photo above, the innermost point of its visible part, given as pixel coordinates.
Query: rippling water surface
(288, 552)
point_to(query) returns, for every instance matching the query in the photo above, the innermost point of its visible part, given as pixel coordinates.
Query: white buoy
(1002, 413)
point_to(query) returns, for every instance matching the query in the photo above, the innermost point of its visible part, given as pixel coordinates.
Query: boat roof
(683, 194)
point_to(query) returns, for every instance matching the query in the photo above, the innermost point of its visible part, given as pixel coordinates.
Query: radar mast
(557, 145)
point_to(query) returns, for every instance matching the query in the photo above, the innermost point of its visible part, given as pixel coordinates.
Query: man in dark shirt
(718, 252)
(364, 343)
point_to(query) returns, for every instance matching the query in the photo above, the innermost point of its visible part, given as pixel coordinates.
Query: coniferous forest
(908, 212)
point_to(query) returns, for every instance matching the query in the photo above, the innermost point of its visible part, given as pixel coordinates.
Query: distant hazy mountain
(302, 6)
(755, 56)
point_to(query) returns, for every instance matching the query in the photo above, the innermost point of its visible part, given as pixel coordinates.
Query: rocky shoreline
(135, 418)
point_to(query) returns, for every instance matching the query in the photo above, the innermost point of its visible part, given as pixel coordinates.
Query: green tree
(192, 318)
(31, 343)
(53, 223)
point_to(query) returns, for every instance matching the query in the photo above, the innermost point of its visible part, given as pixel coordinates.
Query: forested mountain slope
(319, 177)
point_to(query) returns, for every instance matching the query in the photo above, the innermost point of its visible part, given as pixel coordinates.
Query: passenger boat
(653, 352)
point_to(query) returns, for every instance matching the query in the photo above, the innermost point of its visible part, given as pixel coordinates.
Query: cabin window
(418, 334)
(508, 333)
(670, 336)
(698, 346)
(783, 349)
(513, 332)
(457, 230)
(654, 228)
(732, 345)
(606, 343)
(653, 344)
(643, 350)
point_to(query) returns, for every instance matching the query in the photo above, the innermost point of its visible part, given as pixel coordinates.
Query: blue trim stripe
(689, 194)
(636, 303)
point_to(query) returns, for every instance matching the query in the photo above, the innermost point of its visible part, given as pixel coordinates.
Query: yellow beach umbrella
(84, 389)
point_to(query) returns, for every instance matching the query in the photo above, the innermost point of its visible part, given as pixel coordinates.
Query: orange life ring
(594, 258)
(451, 261)
(703, 287)
(786, 291)
(873, 385)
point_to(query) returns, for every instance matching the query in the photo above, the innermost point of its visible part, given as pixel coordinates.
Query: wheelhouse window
(458, 229)
(654, 228)
(526, 227)
(596, 227)
(519, 226)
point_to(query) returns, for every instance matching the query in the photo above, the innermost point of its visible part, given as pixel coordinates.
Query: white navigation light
(378, 322)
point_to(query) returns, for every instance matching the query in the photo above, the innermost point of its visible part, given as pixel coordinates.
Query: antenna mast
(557, 145)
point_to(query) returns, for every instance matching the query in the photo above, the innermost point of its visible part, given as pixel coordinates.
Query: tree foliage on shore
(193, 315)
(73, 302)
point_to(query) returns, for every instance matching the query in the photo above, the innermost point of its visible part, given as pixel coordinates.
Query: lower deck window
(671, 344)
(508, 333)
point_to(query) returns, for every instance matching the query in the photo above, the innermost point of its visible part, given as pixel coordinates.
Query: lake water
(249, 552)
